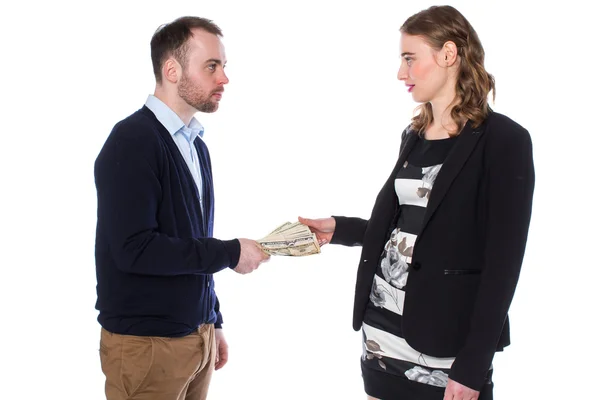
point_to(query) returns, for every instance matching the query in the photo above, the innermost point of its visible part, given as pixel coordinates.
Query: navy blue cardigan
(155, 254)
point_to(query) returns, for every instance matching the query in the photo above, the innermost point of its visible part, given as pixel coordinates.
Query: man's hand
(456, 391)
(251, 256)
(323, 228)
(222, 349)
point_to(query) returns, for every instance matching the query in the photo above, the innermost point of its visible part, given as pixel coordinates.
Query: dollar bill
(290, 239)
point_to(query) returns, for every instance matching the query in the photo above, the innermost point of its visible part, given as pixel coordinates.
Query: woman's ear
(449, 54)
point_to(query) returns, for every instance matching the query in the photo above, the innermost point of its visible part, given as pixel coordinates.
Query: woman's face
(424, 70)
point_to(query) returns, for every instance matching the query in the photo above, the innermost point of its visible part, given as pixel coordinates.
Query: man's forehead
(202, 36)
(205, 42)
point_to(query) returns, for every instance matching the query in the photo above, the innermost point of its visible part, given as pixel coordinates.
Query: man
(155, 255)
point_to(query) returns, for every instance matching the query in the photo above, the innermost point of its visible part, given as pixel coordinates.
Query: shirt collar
(171, 121)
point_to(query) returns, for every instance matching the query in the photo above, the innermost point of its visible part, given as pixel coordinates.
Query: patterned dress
(391, 368)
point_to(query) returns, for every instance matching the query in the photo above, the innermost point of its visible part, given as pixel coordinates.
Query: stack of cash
(290, 239)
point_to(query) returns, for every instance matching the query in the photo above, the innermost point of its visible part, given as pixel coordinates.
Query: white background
(309, 125)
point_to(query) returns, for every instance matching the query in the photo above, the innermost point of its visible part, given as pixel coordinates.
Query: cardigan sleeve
(129, 192)
(219, 322)
(509, 191)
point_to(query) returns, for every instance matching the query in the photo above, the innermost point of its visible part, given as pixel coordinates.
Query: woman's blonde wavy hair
(438, 25)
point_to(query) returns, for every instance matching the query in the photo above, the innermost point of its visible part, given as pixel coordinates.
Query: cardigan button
(416, 266)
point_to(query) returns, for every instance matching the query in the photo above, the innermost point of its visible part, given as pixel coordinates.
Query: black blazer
(467, 257)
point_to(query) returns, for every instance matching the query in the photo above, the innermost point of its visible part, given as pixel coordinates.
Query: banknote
(290, 239)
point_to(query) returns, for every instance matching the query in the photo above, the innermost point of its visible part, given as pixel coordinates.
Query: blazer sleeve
(349, 231)
(510, 182)
(128, 185)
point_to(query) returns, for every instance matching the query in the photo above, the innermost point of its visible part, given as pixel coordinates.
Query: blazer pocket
(462, 271)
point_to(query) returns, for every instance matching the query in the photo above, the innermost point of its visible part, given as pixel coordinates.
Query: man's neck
(175, 103)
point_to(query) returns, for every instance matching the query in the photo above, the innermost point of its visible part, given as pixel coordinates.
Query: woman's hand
(456, 391)
(323, 228)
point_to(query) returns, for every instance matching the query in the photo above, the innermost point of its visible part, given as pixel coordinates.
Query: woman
(444, 245)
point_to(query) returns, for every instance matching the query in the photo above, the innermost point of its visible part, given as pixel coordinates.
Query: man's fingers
(217, 359)
(222, 356)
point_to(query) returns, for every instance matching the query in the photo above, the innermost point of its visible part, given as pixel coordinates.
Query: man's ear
(172, 70)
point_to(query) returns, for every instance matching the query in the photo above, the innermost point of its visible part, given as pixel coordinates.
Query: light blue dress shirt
(183, 136)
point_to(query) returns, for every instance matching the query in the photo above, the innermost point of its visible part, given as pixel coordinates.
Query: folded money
(290, 239)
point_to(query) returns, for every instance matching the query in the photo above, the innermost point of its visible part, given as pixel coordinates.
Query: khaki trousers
(150, 367)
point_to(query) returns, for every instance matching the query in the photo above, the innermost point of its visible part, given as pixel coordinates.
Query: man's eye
(212, 67)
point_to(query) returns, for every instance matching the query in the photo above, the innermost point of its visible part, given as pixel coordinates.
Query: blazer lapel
(387, 198)
(456, 159)
(388, 189)
(383, 212)
(411, 139)
(386, 206)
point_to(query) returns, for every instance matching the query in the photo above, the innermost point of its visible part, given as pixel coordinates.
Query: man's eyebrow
(215, 60)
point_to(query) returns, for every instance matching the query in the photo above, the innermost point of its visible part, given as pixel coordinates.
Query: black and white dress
(391, 368)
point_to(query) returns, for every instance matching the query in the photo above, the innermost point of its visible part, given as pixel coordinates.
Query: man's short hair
(172, 40)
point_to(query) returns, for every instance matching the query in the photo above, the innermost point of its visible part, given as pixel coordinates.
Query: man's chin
(208, 108)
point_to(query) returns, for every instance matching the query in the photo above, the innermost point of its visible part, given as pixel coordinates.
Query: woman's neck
(443, 125)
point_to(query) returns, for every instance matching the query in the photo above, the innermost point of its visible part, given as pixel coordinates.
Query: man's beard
(196, 97)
